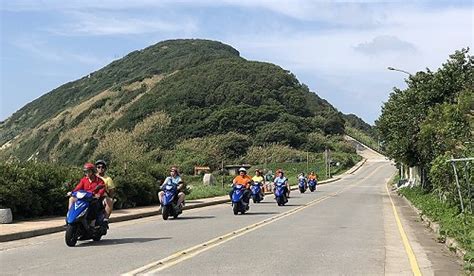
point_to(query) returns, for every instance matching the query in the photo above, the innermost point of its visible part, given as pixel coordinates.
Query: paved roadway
(346, 227)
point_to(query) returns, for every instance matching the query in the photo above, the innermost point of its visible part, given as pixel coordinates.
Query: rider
(245, 180)
(101, 166)
(312, 176)
(175, 180)
(301, 177)
(281, 179)
(90, 183)
(258, 178)
(268, 178)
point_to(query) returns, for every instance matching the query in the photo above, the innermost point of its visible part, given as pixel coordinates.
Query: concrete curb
(30, 233)
(55, 229)
(449, 242)
(357, 166)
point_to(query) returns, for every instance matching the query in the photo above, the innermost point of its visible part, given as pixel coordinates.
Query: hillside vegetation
(178, 102)
(156, 99)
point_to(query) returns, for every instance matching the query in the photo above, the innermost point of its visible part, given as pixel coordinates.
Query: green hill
(167, 97)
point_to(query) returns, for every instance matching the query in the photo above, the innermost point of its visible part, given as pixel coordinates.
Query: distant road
(346, 227)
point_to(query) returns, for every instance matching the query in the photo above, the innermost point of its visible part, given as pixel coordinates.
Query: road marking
(411, 256)
(188, 253)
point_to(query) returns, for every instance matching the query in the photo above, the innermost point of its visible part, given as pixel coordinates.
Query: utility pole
(326, 162)
(307, 161)
(329, 162)
(222, 170)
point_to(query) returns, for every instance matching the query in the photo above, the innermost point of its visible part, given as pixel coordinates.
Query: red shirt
(88, 185)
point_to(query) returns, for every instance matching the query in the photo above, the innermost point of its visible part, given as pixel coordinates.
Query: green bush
(135, 188)
(35, 189)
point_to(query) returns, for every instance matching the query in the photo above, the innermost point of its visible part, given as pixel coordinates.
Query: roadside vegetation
(452, 223)
(427, 124)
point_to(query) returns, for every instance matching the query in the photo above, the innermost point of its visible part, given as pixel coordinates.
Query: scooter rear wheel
(254, 198)
(97, 238)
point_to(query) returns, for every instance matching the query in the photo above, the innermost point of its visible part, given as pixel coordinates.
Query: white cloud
(345, 13)
(119, 24)
(38, 48)
(383, 44)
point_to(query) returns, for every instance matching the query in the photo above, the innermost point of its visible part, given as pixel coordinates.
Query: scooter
(79, 218)
(256, 189)
(169, 202)
(280, 195)
(302, 185)
(312, 184)
(238, 204)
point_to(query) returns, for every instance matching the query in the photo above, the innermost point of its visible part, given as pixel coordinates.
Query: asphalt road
(346, 227)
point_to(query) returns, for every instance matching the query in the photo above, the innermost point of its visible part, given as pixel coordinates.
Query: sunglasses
(100, 167)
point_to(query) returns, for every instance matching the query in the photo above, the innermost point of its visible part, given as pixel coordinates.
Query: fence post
(468, 181)
(457, 184)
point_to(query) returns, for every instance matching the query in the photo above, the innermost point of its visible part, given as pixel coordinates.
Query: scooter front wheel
(71, 235)
(235, 208)
(165, 212)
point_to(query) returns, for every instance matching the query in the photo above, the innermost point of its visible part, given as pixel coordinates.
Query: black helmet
(100, 161)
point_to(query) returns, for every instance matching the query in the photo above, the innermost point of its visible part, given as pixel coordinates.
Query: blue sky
(339, 49)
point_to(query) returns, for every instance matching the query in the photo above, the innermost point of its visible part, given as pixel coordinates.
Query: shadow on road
(121, 241)
(260, 213)
(292, 205)
(195, 217)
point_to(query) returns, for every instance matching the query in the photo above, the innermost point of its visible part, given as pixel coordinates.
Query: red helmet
(89, 167)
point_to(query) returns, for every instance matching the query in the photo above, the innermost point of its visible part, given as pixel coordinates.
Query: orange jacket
(242, 180)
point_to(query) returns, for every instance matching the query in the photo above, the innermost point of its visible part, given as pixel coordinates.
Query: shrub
(36, 189)
(135, 188)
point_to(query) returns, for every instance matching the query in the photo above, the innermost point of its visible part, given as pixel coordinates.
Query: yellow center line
(188, 253)
(411, 256)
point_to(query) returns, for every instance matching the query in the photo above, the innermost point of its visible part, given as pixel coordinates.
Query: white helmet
(242, 169)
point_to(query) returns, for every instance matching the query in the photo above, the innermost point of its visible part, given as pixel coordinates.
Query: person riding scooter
(302, 179)
(244, 180)
(258, 178)
(90, 183)
(281, 179)
(175, 180)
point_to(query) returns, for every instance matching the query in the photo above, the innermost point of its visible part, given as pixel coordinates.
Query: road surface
(346, 227)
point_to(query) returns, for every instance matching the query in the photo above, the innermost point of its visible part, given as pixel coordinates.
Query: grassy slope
(452, 223)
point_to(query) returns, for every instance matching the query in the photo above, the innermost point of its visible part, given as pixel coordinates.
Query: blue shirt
(280, 180)
(172, 181)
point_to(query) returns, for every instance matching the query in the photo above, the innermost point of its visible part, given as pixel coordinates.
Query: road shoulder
(433, 258)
